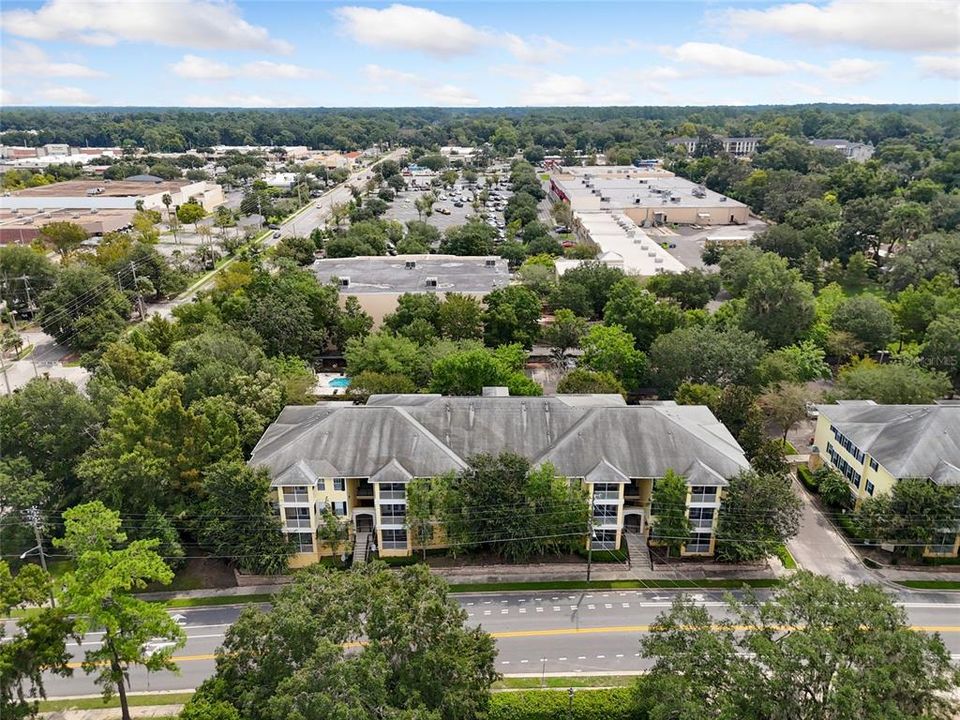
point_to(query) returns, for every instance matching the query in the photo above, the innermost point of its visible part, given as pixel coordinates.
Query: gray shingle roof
(908, 440)
(424, 436)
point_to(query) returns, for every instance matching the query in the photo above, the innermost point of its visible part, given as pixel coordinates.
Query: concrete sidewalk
(144, 711)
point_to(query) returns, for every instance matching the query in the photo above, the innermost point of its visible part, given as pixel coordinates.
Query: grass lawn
(788, 448)
(786, 558)
(574, 681)
(219, 600)
(114, 702)
(613, 585)
(931, 584)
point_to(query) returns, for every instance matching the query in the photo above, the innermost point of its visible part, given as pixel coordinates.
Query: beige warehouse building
(648, 197)
(378, 281)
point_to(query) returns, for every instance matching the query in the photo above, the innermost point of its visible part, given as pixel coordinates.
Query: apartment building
(874, 446)
(737, 146)
(356, 460)
(856, 151)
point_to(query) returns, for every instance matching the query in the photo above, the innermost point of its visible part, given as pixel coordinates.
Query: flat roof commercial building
(648, 196)
(23, 227)
(622, 244)
(378, 281)
(99, 194)
(357, 460)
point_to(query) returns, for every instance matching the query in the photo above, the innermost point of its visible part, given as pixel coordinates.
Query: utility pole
(590, 542)
(33, 517)
(133, 269)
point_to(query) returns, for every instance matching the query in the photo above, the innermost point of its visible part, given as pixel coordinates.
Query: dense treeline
(599, 129)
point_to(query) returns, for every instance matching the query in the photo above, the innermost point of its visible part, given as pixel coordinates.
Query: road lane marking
(569, 631)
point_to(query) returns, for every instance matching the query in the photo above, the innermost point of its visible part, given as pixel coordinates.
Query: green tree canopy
(411, 656)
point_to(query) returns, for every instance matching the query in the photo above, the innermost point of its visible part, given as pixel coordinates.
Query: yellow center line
(553, 632)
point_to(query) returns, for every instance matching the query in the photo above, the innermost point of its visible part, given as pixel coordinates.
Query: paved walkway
(145, 711)
(819, 548)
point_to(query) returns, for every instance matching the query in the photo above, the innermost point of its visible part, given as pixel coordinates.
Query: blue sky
(284, 54)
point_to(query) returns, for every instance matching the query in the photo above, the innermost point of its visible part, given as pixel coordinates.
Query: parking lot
(403, 208)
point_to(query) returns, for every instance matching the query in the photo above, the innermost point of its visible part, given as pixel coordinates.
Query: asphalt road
(547, 632)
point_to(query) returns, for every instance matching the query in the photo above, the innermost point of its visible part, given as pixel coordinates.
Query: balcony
(297, 524)
(606, 495)
(708, 498)
(702, 523)
(294, 498)
(393, 494)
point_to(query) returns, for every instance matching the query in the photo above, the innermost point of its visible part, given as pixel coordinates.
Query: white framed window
(339, 508)
(394, 539)
(321, 484)
(297, 517)
(339, 484)
(699, 543)
(303, 542)
(297, 493)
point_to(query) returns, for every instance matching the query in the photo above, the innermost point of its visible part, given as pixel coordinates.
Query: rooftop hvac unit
(490, 262)
(93, 211)
(431, 282)
(410, 264)
(344, 282)
(658, 260)
(636, 201)
(652, 253)
(75, 216)
(643, 245)
(723, 198)
(15, 211)
(674, 199)
(604, 199)
(44, 214)
(637, 241)
(28, 220)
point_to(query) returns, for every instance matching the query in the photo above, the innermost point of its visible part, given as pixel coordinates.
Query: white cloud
(945, 66)
(383, 80)
(64, 96)
(410, 28)
(403, 27)
(8, 98)
(846, 70)
(537, 49)
(914, 25)
(724, 59)
(200, 68)
(556, 89)
(215, 24)
(25, 61)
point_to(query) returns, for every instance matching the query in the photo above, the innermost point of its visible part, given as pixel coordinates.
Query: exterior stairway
(361, 548)
(639, 552)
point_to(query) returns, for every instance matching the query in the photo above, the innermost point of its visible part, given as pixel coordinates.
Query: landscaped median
(605, 697)
(727, 584)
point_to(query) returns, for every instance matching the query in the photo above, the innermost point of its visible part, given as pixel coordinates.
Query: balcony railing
(606, 494)
(703, 498)
(393, 494)
(289, 498)
(702, 523)
(298, 524)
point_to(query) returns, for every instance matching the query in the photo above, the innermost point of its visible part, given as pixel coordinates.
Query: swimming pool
(339, 382)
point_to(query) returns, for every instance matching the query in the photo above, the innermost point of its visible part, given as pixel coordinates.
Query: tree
(62, 236)
(778, 302)
(912, 515)
(97, 593)
(586, 289)
(785, 405)
(460, 317)
(565, 332)
(332, 531)
(640, 313)
(292, 660)
(83, 309)
(512, 315)
(384, 353)
(941, 349)
(705, 354)
(49, 424)
(473, 238)
(760, 512)
(692, 289)
(28, 274)
(502, 505)
(370, 383)
(469, 371)
(588, 382)
(611, 349)
(833, 488)
(237, 522)
(671, 526)
(849, 652)
(868, 319)
(38, 646)
(298, 249)
(895, 383)
(424, 205)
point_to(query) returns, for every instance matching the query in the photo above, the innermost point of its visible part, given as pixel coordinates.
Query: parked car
(276, 234)
(458, 204)
(273, 226)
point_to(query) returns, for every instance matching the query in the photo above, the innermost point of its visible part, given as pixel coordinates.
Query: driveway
(819, 548)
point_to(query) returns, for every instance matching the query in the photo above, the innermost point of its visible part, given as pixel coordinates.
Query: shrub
(807, 478)
(613, 704)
